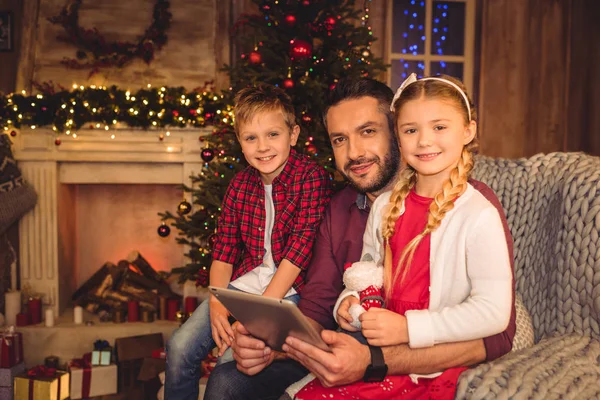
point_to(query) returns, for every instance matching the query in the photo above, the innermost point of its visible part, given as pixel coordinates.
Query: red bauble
(212, 240)
(175, 113)
(13, 133)
(329, 23)
(306, 118)
(290, 20)
(288, 83)
(300, 49)
(306, 3)
(207, 155)
(57, 142)
(163, 230)
(255, 57)
(312, 149)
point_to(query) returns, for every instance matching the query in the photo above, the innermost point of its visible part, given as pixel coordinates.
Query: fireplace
(98, 197)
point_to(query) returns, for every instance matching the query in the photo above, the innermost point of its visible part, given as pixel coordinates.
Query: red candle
(35, 310)
(133, 311)
(190, 304)
(172, 308)
(22, 319)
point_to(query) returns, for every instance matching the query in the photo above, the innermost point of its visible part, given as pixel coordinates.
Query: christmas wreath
(95, 52)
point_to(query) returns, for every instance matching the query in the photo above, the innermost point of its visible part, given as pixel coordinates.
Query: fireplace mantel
(91, 156)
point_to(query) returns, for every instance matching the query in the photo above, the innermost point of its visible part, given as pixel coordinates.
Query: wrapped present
(41, 383)
(159, 353)
(149, 376)
(11, 348)
(7, 376)
(101, 355)
(130, 354)
(89, 381)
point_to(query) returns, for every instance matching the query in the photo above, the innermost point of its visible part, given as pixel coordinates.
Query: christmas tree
(303, 46)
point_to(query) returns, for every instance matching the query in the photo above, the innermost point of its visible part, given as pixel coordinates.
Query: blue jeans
(188, 346)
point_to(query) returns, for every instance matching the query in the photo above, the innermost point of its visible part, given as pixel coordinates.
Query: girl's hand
(343, 316)
(383, 327)
(222, 332)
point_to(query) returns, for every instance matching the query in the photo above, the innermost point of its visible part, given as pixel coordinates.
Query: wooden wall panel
(188, 59)
(523, 76)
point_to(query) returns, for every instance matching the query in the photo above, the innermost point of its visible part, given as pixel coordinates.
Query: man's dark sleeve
(323, 279)
(498, 345)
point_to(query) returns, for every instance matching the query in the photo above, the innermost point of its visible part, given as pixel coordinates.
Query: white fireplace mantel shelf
(93, 156)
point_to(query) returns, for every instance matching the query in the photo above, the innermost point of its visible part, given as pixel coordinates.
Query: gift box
(7, 376)
(11, 348)
(130, 354)
(88, 381)
(102, 353)
(41, 383)
(149, 376)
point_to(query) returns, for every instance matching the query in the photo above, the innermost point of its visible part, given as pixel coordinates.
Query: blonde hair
(264, 97)
(443, 201)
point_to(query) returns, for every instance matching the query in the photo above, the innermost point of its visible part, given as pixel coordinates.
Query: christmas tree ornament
(184, 208)
(290, 19)
(163, 230)
(329, 23)
(207, 154)
(13, 133)
(255, 57)
(212, 240)
(288, 83)
(57, 142)
(366, 53)
(300, 49)
(306, 119)
(312, 149)
(332, 86)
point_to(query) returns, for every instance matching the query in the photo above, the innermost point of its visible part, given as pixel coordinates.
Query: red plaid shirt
(301, 193)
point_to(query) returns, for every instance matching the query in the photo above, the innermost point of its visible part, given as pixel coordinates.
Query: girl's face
(432, 134)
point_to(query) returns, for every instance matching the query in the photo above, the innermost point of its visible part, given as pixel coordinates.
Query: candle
(133, 311)
(172, 308)
(78, 315)
(35, 310)
(12, 304)
(49, 317)
(190, 304)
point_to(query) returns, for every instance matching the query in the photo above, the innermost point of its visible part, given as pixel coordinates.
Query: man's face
(365, 150)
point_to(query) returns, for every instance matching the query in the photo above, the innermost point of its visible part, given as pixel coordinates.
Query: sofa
(552, 203)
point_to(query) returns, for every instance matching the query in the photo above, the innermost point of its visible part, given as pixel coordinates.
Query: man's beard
(387, 171)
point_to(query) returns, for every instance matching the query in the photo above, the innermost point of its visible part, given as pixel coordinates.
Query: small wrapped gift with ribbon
(11, 348)
(42, 383)
(90, 381)
(102, 353)
(7, 377)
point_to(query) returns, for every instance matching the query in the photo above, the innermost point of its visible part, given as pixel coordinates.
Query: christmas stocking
(16, 196)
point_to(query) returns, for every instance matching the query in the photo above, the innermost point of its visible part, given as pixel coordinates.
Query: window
(431, 37)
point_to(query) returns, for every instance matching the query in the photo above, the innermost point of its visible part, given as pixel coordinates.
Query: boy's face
(266, 141)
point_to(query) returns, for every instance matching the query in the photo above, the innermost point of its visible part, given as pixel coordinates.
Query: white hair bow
(412, 78)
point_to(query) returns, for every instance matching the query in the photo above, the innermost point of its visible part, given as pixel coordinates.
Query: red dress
(412, 294)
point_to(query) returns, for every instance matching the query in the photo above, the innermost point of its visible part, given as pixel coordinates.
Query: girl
(441, 244)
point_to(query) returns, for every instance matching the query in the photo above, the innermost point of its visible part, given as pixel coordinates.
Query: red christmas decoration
(255, 57)
(290, 20)
(300, 49)
(13, 133)
(306, 118)
(329, 23)
(332, 86)
(57, 142)
(288, 83)
(312, 149)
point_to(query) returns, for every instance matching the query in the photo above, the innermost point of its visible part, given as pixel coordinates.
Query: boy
(269, 220)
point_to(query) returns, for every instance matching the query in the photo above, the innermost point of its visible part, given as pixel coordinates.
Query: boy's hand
(221, 329)
(343, 316)
(383, 327)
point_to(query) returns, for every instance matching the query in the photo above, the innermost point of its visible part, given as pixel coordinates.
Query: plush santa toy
(366, 278)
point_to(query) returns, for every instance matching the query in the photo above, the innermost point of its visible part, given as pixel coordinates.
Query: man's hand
(343, 316)
(345, 364)
(383, 327)
(251, 354)
(221, 329)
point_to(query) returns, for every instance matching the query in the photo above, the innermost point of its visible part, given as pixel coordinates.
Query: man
(361, 132)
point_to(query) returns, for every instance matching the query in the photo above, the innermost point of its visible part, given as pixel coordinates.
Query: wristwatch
(377, 370)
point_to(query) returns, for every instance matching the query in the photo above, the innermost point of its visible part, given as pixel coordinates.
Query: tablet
(268, 319)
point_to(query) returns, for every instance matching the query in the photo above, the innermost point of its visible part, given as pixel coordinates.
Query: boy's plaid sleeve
(227, 246)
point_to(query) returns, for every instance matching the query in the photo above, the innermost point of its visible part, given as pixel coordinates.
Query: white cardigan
(470, 273)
